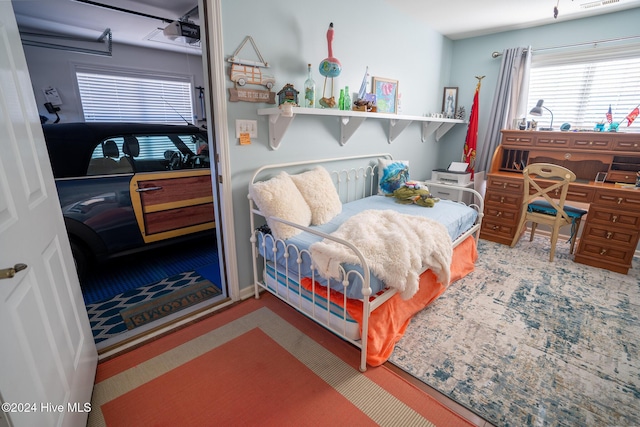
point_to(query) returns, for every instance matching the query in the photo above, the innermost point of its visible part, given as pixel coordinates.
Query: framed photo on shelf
(450, 102)
(386, 92)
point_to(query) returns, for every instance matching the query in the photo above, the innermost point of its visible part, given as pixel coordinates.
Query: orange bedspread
(388, 323)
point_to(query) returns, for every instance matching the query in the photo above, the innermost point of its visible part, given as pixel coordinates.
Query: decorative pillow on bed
(392, 175)
(279, 197)
(318, 190)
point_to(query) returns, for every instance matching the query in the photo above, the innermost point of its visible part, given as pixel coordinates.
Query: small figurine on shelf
(329, 67)
(288, 94)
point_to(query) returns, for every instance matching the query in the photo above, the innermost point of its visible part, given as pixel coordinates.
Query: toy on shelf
(329, 67)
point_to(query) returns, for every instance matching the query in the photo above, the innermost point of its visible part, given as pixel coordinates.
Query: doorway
(138, 46)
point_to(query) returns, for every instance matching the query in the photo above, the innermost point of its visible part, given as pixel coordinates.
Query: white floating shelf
(350, 121)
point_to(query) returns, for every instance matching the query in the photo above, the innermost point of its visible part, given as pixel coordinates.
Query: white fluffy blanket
(396, 246)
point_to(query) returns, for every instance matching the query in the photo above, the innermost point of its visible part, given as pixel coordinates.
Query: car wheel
(241, 82)
(80, 258)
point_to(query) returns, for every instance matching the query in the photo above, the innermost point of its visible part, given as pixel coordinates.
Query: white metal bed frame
(352, 184)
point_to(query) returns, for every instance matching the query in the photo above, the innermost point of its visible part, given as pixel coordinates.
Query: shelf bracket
(278, 125)
(348, 126)
(442, 129)
(396, 127)
(428, 128)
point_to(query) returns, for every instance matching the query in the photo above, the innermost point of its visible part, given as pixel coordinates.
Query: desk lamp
(537, 111)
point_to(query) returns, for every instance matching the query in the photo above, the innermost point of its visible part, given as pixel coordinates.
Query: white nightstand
(450, 191)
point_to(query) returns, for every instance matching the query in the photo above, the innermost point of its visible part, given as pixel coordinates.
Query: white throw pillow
(392, 174)
(318, 190)
(279, 197)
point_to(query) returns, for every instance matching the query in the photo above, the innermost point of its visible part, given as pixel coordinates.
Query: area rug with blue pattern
(522, 341)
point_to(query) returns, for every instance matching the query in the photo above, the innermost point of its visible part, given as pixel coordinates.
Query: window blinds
(580, 90)
(114, 98)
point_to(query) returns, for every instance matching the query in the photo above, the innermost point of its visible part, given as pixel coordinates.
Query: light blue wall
(393, 45)
(472, 57)
(367, 33)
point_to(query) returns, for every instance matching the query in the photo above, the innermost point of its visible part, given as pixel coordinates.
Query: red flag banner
(632, 116)
(471, 140)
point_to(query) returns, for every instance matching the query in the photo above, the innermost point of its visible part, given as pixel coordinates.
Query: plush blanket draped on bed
(397, 247)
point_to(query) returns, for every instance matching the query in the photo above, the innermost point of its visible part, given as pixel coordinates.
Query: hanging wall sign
(245, 71)
(252, 95)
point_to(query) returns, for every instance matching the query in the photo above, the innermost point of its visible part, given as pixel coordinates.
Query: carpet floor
(257, 363)
(524, 342)
(120, 275)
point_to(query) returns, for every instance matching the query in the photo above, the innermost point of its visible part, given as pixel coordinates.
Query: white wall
(56, 68)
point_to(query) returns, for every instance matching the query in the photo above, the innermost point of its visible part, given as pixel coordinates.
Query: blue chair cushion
(542, 206)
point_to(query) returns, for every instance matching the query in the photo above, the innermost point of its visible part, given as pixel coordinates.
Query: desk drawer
(622, 176)
(500, 214)
(607, 236)
(618, 199)
(503, 199)
(591, 142)
(627, 143)
(497, 231)
(504, 184)
(614, 218)
(552, 142)
(606, 256)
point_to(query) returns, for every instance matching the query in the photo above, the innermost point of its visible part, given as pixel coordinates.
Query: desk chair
(547, 205)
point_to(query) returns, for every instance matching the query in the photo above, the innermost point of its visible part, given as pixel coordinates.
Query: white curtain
(509, 102)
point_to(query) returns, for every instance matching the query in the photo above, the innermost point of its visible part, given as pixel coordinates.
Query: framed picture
(386, 92)
(450, 102)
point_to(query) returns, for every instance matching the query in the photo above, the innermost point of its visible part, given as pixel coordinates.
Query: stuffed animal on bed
(412, 192)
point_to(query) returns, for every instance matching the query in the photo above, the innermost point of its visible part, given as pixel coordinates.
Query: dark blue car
(128, 187)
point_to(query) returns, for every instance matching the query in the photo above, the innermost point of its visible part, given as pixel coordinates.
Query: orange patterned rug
(258, 363)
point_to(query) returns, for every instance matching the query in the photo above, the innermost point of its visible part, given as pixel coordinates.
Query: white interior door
(47, 354)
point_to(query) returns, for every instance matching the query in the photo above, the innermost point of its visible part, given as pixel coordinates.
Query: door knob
(8, 273)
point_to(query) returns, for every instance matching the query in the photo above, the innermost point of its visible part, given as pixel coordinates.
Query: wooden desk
(610, 235)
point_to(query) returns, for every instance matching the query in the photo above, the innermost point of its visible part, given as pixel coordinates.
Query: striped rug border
(373, 400)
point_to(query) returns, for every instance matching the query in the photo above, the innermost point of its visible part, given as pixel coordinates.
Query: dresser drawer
(504, 184)
(618, 199)
(610, 235)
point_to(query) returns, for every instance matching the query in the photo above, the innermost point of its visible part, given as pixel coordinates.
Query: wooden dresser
(610, 235)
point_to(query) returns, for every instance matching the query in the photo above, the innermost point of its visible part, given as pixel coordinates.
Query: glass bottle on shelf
(309, 90)
(341, 100)
(347, 99)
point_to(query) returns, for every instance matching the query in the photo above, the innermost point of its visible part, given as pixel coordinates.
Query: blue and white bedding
(456, 217)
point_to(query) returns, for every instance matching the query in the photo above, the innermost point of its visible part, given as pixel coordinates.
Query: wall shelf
(350, 121)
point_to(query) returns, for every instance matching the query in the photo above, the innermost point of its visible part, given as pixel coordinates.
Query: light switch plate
(247, 126)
